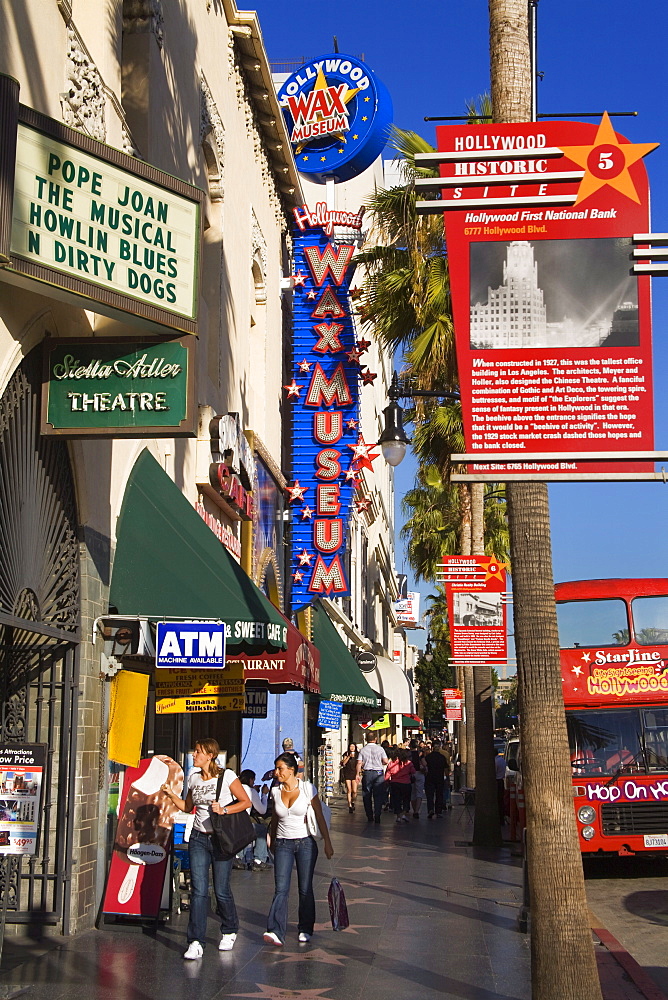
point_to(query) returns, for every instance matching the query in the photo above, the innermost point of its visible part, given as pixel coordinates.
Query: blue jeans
(258, 848)
(373, 793)
(204, 854)
(304, 851)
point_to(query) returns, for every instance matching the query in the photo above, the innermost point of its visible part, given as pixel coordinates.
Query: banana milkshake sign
(96, 224)
(140, 389)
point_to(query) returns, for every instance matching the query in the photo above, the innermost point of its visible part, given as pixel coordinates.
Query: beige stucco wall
(239, 350)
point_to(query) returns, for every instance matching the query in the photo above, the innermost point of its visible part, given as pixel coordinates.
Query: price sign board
(329, 715)
(21, 772)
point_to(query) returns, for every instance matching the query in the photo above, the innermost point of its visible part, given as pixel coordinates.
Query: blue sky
(595, 55)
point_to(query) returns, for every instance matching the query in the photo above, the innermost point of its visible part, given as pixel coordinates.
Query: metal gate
(39, 632)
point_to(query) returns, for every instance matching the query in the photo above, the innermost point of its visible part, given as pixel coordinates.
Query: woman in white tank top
(290, 841)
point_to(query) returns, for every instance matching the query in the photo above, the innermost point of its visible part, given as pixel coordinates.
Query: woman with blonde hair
(203, 848)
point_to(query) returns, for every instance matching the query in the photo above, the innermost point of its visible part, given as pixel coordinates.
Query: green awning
(340, 677)
(169, 564)
(411, 722)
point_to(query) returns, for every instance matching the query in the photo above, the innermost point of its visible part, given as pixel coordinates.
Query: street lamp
(428, 651)
(394, 440)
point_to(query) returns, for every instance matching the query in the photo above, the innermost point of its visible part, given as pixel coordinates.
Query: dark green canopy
(169, 564)
(340, 677)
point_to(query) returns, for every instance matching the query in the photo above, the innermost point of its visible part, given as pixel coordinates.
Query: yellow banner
(200, 703)
(200, 690)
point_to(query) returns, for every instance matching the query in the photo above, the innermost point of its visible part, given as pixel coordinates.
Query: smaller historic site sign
(118, 388)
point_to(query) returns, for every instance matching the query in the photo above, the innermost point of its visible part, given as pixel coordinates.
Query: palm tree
(407, 304)
(562, 955)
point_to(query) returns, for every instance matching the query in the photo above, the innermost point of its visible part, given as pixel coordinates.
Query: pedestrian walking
(399, 773)
(438, 768)
(203, 848)
(371, 763)
(289, 747)
(500, 767)
(255, 857)
(349, 773)
(417, 790)
(291, 842)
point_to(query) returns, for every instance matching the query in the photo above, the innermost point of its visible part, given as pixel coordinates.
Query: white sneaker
(304, 937)
(270, 938)
(195, 950)
(227, 942)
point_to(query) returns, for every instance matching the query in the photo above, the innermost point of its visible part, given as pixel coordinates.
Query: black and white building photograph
(553, 293)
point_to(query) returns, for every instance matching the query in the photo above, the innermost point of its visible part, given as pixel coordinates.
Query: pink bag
(337, 906)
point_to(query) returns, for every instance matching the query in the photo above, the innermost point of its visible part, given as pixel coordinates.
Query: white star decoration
(576, 670)
(299, 279)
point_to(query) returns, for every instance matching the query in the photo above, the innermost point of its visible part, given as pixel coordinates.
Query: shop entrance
(39, 633)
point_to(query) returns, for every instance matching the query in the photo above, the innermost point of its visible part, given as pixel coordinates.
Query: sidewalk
(430, 918)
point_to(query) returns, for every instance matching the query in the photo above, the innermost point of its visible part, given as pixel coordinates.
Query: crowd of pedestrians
(288, 820)
(398, 778)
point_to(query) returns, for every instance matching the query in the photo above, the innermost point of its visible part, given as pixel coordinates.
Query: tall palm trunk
(486, 822)
(563, 964)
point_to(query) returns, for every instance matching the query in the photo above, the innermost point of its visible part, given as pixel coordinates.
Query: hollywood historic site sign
(552, 330)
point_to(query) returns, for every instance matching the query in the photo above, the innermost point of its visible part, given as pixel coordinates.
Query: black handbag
(231, 832)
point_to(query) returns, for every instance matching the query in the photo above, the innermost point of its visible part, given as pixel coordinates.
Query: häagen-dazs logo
(338, 114)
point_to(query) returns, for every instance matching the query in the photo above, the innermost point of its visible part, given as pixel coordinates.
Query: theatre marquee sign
(100, 228)
(118, 388)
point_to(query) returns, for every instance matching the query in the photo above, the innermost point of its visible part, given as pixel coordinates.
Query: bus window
(656, 738)
(592, 623)
(603, 742)
(650, 620)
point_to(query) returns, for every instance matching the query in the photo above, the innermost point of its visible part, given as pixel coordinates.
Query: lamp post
(394, 440)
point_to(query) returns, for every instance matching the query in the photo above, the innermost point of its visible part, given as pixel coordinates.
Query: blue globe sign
(338, 115)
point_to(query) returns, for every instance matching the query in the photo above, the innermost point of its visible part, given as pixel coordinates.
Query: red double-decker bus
(613, 636)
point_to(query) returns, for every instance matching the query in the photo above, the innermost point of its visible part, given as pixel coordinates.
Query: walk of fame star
(318, 955)
(282, 992)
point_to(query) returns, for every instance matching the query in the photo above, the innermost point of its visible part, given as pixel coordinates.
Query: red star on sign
(363, 504)
(296, 492)
(364, 345)
(299, 279)
(361, 453)
(298, 577)
(352, 424)
(307, 513)
(312, 294)
(352, 477)
(293, 390)
(354, 355)
(369, 377)
(304, 557)
(305, 366)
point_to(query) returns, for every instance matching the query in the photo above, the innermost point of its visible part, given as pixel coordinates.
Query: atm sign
(190, 644)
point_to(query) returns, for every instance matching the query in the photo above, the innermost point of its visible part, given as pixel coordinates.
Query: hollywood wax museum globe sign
(338, 115)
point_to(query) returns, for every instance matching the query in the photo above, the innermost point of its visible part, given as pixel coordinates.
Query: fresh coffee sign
(113, 387)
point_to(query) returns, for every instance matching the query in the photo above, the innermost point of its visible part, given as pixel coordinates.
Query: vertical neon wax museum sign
(325, 396)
